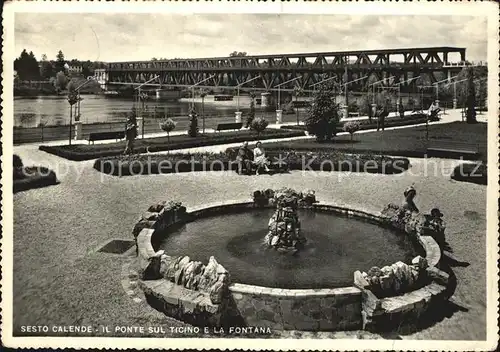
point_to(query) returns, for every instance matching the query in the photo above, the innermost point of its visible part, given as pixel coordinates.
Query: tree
(259, 125)
(193, 124)
(168, 125)
(238, 53)
(323, 113)
(46, 68)
(471, 98)
(87, 69)
(59, 65)
(27, 66)
(351, 127)
(61, 81)
(251, 112)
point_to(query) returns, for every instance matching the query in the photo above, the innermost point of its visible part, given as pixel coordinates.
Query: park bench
(449, 148)
(354, 114)
(100, 136)
(229, 126)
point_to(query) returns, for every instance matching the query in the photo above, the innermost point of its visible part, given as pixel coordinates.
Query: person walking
(382, 114)
(130, 133)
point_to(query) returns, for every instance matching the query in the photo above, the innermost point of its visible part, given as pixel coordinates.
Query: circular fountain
(286, 261)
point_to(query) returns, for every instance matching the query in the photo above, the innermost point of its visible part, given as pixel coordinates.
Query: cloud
(121, 37)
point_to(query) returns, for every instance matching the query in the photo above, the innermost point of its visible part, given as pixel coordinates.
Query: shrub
(34, 177)
(168, 125)
(259, 125)
(16, 160)
(324, 113)
(193, 124)
(411, 103)
(18, 167)
(471, 172)
(351, 127)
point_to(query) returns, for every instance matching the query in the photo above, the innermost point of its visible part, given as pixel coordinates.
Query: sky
(127, 37)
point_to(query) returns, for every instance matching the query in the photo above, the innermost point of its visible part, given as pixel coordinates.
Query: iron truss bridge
(398, 65)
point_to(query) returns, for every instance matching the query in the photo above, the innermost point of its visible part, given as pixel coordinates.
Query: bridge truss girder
(276, 69)
(270, 79)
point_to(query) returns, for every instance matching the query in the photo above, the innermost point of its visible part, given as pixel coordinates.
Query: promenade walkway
(449, 116)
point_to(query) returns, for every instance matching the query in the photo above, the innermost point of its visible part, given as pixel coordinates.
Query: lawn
(409, 142)
(80, 152)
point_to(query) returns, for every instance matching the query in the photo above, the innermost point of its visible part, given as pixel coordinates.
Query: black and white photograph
(256, 176)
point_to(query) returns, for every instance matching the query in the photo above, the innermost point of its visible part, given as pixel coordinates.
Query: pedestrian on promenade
(381, 115)
(130, 133)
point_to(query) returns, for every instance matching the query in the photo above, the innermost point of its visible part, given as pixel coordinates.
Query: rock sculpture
(395, 279)
(284, 226)
(212, 278)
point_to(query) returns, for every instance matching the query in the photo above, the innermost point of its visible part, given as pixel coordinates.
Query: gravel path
(60, 279)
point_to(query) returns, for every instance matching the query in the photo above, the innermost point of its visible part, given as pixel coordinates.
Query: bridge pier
(140, 123)
(265, 99)
(78, 131)
(237, 116)
(279, 116)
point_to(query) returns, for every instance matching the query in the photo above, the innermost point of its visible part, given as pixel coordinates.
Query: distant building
(75, 69)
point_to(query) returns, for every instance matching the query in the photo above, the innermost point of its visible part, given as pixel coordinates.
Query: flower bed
(79, 152)
(470, 172)
(305, 161)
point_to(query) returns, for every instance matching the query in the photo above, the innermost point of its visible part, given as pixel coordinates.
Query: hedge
(79, 152)
(33, 177)
(320, 161)
(471, 172)
(365, 125)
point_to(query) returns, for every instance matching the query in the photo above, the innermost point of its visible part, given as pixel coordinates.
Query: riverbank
(151, 126)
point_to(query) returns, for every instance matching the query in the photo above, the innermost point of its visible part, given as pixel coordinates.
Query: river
(29, 112)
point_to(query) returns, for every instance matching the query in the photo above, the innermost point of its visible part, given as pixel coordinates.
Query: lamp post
(399, 89)
(373, 87)
(74, 99)
(346, 92)
(436, 84)
(140, 119)
(238, 112)
(278, 105)
(196, 84)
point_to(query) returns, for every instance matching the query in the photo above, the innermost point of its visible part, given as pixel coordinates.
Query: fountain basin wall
(284, 309)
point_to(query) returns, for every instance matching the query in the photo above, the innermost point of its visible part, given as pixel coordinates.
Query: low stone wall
(314, 310)
(395, 293)
(178, 286)
(173, 288)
